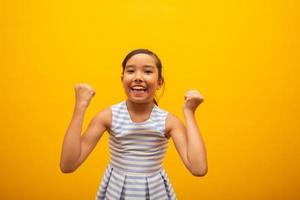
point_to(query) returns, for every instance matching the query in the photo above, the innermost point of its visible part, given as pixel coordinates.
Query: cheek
(125, 80)
(125, 85)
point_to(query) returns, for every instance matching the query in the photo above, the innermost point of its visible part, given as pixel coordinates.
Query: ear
(122, 78)
(160, 83)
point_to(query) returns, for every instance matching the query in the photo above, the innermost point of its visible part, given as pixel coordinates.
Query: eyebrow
(145, 66)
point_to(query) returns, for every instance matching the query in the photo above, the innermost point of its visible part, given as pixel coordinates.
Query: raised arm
(76, 147)
(187, 139)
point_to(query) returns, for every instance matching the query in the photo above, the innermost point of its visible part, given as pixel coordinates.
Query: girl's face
(140, 78)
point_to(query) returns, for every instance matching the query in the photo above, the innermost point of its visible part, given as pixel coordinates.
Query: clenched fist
(192, 100)
(83, 94)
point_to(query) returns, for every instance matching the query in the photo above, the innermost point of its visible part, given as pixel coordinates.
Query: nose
(138, 77)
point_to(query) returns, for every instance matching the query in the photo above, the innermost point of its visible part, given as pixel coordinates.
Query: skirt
(119, 185)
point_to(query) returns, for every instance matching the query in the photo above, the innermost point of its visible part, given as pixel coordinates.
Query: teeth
(138, 88)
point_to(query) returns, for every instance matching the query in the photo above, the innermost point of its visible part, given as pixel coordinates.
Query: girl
(138, 134)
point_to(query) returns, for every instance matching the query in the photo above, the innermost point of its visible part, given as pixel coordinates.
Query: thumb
(92, 92)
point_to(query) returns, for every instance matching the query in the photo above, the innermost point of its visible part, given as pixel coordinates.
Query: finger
(92, 92)
(195, 94)
(192, 92)
(186, 97)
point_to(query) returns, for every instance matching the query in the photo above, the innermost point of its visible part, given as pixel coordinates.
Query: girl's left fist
(192, 100)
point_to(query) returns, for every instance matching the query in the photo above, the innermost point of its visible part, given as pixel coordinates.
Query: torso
(137, 118)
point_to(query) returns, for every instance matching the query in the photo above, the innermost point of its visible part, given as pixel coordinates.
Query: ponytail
(155, 102)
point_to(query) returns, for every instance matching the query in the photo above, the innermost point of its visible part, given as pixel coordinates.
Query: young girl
(138, 134)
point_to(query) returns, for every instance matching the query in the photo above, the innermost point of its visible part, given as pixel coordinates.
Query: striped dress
(135, 170)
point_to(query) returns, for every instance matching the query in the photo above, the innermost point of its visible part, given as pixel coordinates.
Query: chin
(139, 101)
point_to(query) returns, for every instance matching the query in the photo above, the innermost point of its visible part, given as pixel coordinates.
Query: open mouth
(138, 89)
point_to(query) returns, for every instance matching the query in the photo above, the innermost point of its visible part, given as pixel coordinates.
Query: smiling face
(140, 78)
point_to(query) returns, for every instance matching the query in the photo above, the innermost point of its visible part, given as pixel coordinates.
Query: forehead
(141, 59)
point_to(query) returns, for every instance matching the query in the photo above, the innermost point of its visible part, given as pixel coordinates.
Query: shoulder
(160, 111)
(118, 105)
(173, 123)
(104, 117)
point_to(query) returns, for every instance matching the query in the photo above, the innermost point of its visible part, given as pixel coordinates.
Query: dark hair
(148, 52)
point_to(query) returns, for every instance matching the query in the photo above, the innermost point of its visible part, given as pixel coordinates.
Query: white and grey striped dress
(137, 149)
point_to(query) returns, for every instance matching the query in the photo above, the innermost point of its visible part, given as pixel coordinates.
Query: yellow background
(243, 56)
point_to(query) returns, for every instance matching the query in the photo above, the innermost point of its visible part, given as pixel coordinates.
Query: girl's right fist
(83, 94)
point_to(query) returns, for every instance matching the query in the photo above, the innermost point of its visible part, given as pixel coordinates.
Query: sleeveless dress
(135, 170)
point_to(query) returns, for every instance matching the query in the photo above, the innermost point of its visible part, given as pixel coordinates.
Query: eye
(130, 71)
(148, 71)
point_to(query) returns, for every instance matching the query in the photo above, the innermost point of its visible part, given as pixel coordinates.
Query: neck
(139, 107)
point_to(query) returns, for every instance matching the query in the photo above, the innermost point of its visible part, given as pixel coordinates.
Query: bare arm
(187, 139)
(77, 147)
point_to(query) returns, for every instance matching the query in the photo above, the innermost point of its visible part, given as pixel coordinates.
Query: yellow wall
(243, 56)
